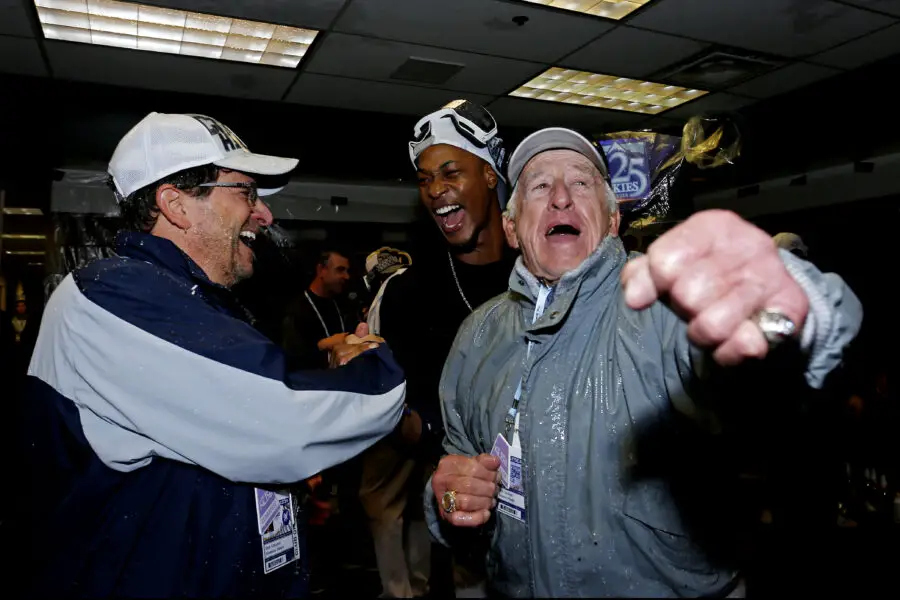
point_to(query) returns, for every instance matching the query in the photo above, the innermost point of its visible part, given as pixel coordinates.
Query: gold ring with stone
(448, 501)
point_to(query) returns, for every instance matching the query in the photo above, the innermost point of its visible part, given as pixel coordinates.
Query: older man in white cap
(163, 426)
(570, 402)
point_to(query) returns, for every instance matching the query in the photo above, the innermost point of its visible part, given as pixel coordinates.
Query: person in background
(162, 428)
(19, 321)
(18, 335)
(315, 320)
(459, 159)
(590, 389)
(22, 332)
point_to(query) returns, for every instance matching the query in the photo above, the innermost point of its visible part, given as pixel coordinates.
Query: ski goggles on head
(467, 126)
(471, 121)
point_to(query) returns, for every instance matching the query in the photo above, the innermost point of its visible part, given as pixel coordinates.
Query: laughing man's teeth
(446, 210)
(248, 235)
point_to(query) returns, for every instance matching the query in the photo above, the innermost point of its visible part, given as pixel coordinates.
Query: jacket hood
(597, 274)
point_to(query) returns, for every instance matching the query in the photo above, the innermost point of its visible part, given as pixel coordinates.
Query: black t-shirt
(303, 328)
(421, 311)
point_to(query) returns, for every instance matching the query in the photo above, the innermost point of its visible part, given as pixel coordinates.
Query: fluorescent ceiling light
(24, 236)
(610, 9)
(26, 252)
(22, 212)
(139, 27)
(605, 91)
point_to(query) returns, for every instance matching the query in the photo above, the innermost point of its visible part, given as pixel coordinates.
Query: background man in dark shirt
(316, 315)
(315, 321)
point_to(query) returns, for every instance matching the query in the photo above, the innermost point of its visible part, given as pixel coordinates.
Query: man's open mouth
(450, 217)
(563, 230)
(248, 238)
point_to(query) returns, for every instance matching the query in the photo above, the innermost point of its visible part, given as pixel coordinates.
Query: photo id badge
(267, 508)
(511, 500)
(280, 542)
(501, 451)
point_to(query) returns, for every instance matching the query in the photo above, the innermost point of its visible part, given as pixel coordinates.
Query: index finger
(332, 341)
(640, 291)
(704, 234)
(488, 461)
(483, 466)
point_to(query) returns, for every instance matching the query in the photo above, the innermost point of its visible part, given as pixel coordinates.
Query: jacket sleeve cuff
(833, 320)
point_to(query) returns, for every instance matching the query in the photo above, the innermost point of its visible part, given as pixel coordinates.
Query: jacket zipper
(540, 305)
(528, 484)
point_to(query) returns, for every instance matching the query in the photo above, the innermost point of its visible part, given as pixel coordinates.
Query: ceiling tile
(857, 53)
(647, 52)
(522, 112)
(14, 19)
(785, 79)
(21, 56)
(317, 14)
(368, 58)
(354, 94)
(139, 69)
(718, 102)
(785, 27)
(888, 6)
(474, 25)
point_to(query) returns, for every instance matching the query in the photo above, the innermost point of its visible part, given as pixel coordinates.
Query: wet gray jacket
(599, 376)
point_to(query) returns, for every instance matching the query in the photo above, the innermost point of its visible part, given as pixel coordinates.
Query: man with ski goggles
(460, 163)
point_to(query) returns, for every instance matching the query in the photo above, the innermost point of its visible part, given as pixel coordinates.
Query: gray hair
(611, 203)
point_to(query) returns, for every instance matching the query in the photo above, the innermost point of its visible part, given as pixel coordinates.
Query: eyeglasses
(252, 192)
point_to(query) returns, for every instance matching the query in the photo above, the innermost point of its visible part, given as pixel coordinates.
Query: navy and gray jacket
(154, 408)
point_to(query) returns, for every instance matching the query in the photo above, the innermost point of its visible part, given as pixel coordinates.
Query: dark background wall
(45, 124)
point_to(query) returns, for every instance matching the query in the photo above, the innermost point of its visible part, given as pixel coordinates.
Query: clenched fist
(717, 271)
(476, 483)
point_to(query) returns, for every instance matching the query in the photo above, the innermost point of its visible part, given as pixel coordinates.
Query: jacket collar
(169, 257)
(598, 274)
(162, 253)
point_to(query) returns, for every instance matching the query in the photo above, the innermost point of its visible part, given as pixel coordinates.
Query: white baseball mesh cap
(163, 144)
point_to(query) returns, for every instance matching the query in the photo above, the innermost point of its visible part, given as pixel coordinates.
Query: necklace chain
(458, 286)
(318, 314)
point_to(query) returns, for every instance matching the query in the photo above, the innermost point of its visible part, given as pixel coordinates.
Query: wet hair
(139, 210)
